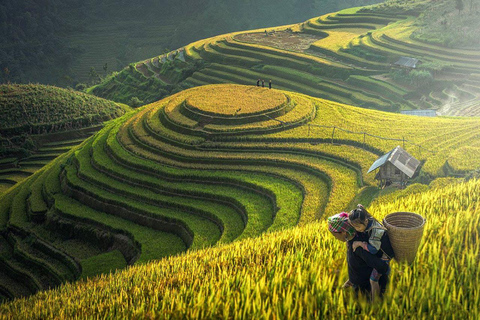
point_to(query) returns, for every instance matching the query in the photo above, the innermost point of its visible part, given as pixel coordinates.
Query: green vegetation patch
(103, 263)
(33, 109)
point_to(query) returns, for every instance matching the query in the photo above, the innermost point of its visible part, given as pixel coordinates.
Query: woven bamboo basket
(405, 230)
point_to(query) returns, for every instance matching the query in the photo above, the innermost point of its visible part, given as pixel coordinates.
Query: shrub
(417, 78)
(421, 78)
(135, 102)
(81, 87)
(28, 144)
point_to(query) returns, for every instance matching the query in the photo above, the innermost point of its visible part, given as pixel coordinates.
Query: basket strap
(376, 227)
(389, 258)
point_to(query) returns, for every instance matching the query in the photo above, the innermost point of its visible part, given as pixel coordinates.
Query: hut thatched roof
(407, 62)
(400, 158)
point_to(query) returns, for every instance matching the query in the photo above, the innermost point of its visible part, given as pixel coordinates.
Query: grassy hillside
(346, 56)
(18, 165)
(206, 166)
(291, 274)
(38, 123)
(27, 111)
(37, 109)
(453, 24)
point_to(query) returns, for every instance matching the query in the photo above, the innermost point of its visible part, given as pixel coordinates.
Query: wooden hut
(396, 167)
(407, 63)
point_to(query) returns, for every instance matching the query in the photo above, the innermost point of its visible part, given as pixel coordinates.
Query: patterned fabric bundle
(340, 223)
(375, 232)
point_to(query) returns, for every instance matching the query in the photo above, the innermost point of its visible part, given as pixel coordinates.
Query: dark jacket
(361, 264)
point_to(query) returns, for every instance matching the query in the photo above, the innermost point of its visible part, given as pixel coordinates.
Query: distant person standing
(263, 83)
(258, 83)
(270, 84)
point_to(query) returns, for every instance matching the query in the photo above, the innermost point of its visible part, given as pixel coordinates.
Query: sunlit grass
(296, 273)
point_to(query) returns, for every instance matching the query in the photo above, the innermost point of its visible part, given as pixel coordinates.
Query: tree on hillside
(421, 78)
(31, 40)
(459, 5)
(94, 77)
(135, 102)
(6, 74)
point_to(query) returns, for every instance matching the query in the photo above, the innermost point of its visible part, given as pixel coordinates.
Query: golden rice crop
(355, 155)
(344, 180)
(293, 274)
(235, 100)
(337, 40)
(434, 140)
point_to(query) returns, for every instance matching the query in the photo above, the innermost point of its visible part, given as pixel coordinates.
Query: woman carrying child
(377, 243)
(360, 262)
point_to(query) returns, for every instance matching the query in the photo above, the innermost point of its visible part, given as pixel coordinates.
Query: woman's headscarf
(340, 223)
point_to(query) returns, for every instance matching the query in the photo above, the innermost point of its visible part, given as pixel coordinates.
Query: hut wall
(389, 172)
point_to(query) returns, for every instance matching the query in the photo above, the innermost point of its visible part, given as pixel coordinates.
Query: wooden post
(364, 145)
(333, 133)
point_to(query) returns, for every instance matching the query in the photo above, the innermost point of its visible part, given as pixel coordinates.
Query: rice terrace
(184, 187)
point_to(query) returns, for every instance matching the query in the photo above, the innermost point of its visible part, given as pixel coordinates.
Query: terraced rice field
(44, 122)
(17, 170)
(347, 57)
(207, 166)
(291, 58)
(292, 274)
